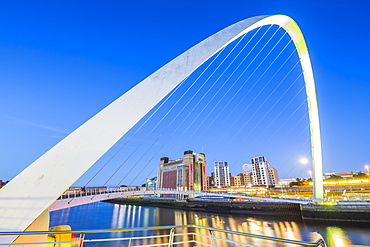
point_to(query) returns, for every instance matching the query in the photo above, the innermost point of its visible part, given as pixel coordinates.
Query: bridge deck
(75, 198)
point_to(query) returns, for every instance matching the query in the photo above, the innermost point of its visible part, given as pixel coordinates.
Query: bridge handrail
(79, 192)
(319, 242)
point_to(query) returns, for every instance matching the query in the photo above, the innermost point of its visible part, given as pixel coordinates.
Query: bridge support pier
(40, 224)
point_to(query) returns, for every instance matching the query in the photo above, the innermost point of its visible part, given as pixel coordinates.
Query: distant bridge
(73, 198)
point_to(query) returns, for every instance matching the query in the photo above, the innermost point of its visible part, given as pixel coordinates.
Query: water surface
(107, 216)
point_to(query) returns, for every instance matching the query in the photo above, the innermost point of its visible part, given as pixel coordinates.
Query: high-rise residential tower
(262, 173)
(260, 166)
(222, 174)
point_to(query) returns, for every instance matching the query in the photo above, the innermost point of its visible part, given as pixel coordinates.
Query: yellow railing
(187, 236)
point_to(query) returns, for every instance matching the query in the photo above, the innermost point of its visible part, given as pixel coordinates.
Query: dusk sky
(63, 61)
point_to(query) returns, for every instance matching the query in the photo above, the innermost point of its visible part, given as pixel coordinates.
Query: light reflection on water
(111, 216)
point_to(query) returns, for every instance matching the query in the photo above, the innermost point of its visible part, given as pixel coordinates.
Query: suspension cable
(219, 101)
(266, 84)
(261, 119)
(152, 114)
(181, 110)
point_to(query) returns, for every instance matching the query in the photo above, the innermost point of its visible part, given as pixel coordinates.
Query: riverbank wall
(306, 212)
(226, 207)
(336, 213)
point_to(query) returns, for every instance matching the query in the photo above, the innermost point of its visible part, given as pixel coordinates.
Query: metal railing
(80, 192)
(88, 191)
(190, 234)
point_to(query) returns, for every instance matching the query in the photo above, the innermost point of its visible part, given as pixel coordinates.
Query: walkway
(76, 197)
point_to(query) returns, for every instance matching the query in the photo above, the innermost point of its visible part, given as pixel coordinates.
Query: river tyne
(103, 215)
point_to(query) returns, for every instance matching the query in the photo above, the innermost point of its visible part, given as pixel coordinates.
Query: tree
(298, 182)
(360, 175)
(334, 177)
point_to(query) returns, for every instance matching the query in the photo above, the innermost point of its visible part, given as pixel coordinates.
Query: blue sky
(63, 61)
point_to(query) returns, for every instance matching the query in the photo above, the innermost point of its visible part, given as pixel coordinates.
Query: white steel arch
(40, 184)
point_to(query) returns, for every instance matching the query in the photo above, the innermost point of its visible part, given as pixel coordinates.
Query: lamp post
(367, 168)
(304, 161)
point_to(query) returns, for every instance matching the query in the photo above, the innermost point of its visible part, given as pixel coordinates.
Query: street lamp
(304, 160)
(310, 173)
(367, 168)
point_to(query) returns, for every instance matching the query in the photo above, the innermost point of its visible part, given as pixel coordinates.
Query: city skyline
(58, 73)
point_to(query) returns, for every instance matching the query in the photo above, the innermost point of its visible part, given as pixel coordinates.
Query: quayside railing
(180, 235)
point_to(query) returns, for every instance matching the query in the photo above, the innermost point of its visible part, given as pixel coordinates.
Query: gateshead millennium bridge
(26, 199)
